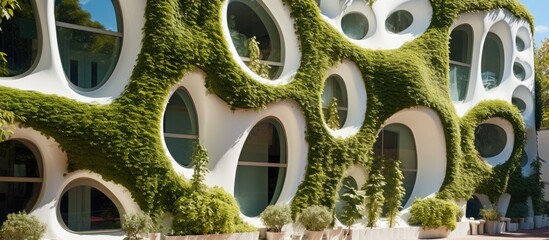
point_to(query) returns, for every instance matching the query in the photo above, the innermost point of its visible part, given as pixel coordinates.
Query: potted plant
(437, 217)
(136, 225)
(21, 226)
(491, 215)
(315, 219)
(274, 217)
(353, 208)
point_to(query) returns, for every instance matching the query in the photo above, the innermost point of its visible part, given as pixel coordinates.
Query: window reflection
(492, 61)
(461, 40)
(399, 21)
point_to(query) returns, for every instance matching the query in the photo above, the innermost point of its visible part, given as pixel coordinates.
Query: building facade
(115, 95)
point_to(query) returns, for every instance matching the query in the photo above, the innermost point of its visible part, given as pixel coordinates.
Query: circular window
(19, 41)
(181, 127)
(521, 105)
(520, 44)
(334, 102)
(256, 37)
(355, 25)
(524, 159)
(89, 36)
(490, 140)
(85, 208)
(261, 168)
(399, 21)
(20, 178)
(518, 71)
(492, 61)
(347, 183)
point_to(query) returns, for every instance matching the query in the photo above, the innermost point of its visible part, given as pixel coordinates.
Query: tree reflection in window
(85, 208)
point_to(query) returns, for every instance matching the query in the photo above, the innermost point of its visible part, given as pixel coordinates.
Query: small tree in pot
(136, 225)
(315, 219)
(274, 217)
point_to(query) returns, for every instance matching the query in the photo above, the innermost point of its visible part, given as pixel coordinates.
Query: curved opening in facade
(396, 142)
(19, 40)
(518, 71)
(347, 183)
(490, 140)
(256, 37)
(473, 207)
(399, 21)
(523, 100)
(461, 47)
(181, 127)
(85, 207)
(89, 37)
(20, 177)
(355, 25)
(492, 65)
(523, 39)
(261, 168)
(334, 92)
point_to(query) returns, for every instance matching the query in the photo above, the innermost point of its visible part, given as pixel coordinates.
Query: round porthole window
(521, 105)
(518, 71)
(355, 25)
(399, 21)
(490, 140)
(520, 44)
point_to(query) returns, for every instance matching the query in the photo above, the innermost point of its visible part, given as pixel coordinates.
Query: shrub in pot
(353, 208)
(136, 225)
(274, 217)
(491, 215)
(437, 217)
(21, 226)
(315, 219)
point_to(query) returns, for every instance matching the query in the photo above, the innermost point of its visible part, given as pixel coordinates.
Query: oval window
(396, 141)
(355, 25)
(261, 168)
(399, 21)
(521, 105)
(492, 61)
(181, 127)
(461, 40)
(348, 182)
(89, 36)
(19, 41)
(490, 140)
(85, 208)
(20, 178)
(520, 44)
(251, 28)
(334, 90)
(518, 71)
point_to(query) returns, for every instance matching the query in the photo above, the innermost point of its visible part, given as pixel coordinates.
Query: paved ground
(536, 234)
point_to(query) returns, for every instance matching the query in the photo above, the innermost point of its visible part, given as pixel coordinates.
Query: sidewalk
(534, 234)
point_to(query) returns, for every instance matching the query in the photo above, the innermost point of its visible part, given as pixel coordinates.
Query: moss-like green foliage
(333, 116)
(374, 193)
(122, 141)
(394, 191)
(21, 226)
(432, 213)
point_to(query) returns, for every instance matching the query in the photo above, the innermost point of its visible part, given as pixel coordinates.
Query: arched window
(346, 183)
(519, 71)
(492, 61)
(355, 25)
(473, 208)
(334, 87)
(520, 44)
(89, 36)
(399, 21)
(19, 41)
(20, 178)
(461, 41)
(181, 127)
(490, 140)
(85, 208)
(396, 141)
(261, 168)
(248, 19)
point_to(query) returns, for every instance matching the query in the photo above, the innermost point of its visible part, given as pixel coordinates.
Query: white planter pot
(500, 227)
(313, 235)
(228, 236)
(441, 232)
(335, 234)
(275, 235)
(155, 236)
(512, 227)
(538, 221)
(491, 227)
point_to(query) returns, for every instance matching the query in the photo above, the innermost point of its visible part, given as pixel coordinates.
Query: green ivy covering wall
(122, 141)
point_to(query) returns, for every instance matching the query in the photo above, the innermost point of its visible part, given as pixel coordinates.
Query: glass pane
(16, 197)
(518, 71)
(180, 116)
(473, 208)
(88, 58)
(460, 44)
(84, 208)
(520, 44)
(490, 140)
(408, 183)
(16, 160)
(521, 105)
(347, 182)
(335, 87)
(181, 149)
(399, 21)
(100, 14)
(459, 81)
(19, 41)
(492, 61)
(355, 25)
(257, 186)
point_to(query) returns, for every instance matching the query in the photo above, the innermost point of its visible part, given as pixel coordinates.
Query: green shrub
(316, 218)
(432, 213)
(21, 226)
(354, 206)
(135, 224)
(489, 214)
(276, 216)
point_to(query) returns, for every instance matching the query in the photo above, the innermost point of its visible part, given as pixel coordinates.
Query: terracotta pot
(313, 235)
(335, 234)
(275, 235)
(491, 227)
